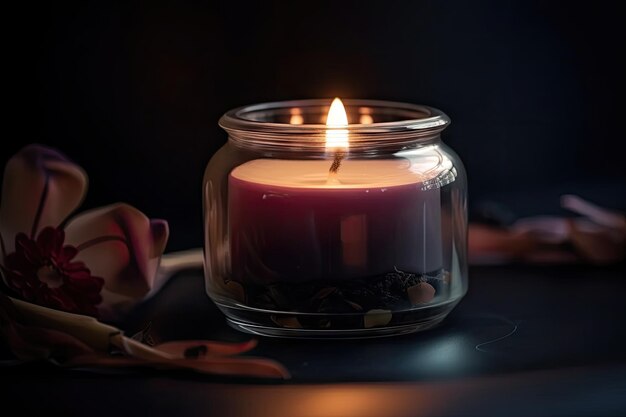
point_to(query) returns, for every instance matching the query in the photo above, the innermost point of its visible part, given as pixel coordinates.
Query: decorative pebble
(376, 317)
(236, 291)
(421, 293)
(289, 322)
(388, 291)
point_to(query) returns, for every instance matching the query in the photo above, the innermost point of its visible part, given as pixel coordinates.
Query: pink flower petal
(41, 187)
(120, 244)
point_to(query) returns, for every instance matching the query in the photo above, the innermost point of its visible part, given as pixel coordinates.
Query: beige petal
(120, 244)
(38, 179)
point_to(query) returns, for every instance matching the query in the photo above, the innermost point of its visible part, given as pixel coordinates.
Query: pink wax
(288, 223)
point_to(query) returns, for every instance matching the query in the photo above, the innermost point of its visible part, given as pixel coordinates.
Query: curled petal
(180, 348)
(41, 187)
(88, 330)
(35, 332)
(33, 342)
(210, 364)
(120, 244)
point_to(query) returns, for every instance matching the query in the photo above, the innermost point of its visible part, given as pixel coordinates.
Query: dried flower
(43, 271)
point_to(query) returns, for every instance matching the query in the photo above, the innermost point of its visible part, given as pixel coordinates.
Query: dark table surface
(525, 341)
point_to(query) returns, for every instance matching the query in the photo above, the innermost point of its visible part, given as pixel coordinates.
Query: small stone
(421, 293)
(236, 291)
(288, 322)
(376, 318)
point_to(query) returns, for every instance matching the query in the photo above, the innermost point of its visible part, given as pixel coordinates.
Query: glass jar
(303, 240)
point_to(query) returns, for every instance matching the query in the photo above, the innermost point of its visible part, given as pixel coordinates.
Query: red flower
(41, 271)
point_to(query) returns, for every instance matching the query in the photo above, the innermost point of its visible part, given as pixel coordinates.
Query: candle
(288, 222)
(301, 220)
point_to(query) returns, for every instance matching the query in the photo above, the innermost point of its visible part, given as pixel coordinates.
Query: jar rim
(236, 119)
(403, 123)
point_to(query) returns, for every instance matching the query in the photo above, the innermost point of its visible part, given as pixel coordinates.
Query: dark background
(132, 91)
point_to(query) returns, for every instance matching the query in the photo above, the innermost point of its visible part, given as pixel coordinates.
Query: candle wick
(334, 168)
(336, 163)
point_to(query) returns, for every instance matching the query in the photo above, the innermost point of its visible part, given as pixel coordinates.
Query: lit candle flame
(337, 139)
